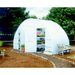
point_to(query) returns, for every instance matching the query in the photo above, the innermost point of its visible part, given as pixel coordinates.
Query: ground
(27, 60)
(20, 60)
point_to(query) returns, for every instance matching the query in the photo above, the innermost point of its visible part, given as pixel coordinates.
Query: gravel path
(58, 62)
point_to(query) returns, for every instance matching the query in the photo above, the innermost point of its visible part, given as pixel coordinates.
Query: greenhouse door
(30, 40)
(48, 43)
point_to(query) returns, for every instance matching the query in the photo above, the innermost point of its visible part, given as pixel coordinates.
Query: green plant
(43, 35)
(1, 43)
(19, 40)
(39, 35)
(4, 50)
(39, 29)
(44, 42)
(37, 40)
(22, 46)
(19, 33)
(41, 40)
(0, 32)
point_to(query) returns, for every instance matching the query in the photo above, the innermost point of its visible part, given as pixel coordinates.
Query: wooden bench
(63, 48)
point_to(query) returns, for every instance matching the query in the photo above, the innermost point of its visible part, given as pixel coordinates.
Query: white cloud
(38, 11)
(40, 15)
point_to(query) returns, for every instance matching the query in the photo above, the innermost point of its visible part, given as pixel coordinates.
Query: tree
(43, 18)
(33, 16)
(13, 17)
(64, 16)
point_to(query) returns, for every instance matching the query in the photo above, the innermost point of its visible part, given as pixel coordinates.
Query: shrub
(1, 43)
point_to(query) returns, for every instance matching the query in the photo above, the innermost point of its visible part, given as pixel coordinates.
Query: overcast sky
(38, 11)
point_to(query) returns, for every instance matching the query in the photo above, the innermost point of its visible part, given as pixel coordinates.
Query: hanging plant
(19, 40)
(19, 33)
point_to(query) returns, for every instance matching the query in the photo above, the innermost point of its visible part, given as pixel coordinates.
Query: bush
(1, 43)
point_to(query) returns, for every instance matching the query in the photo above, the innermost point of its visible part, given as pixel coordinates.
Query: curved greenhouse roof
(54, 34)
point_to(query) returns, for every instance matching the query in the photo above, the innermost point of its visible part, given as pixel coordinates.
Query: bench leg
(62, 53)
(58, 52)
(70, 51)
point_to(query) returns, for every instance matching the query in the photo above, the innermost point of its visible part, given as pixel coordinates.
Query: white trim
(16, 43)
(16, 38)
(40, 37)
(40, 44)
(29, 41)
(48, 39)
(49, 45)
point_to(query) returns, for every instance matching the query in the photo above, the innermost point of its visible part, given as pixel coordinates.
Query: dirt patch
(21, 60)
(72, 57)
(65, 56)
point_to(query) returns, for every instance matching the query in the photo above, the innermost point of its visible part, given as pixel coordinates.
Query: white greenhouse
(39, 36)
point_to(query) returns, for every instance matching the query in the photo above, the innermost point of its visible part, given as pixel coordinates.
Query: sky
(38, 11)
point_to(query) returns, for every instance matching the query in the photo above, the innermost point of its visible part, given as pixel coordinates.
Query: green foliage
(1, 43)
(39, 29)
(44, 18)
(17, 16)
(64, 16)
(22, 46)
(0, 32)
(14, 17)
(33, 16)
(4, 50)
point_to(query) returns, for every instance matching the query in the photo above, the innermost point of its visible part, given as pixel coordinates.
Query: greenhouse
(35, 35)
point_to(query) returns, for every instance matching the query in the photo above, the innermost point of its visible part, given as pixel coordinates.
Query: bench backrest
(61, 46)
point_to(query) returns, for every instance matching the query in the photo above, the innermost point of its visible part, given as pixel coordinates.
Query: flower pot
(23, 49)
(41, 42)
(3, 53)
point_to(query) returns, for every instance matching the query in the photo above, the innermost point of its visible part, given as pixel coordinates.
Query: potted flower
(19, 33)
(38, 34)
(23, 48)
(19, 40)
(42, 49)
(41, 41)
(3, 52)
